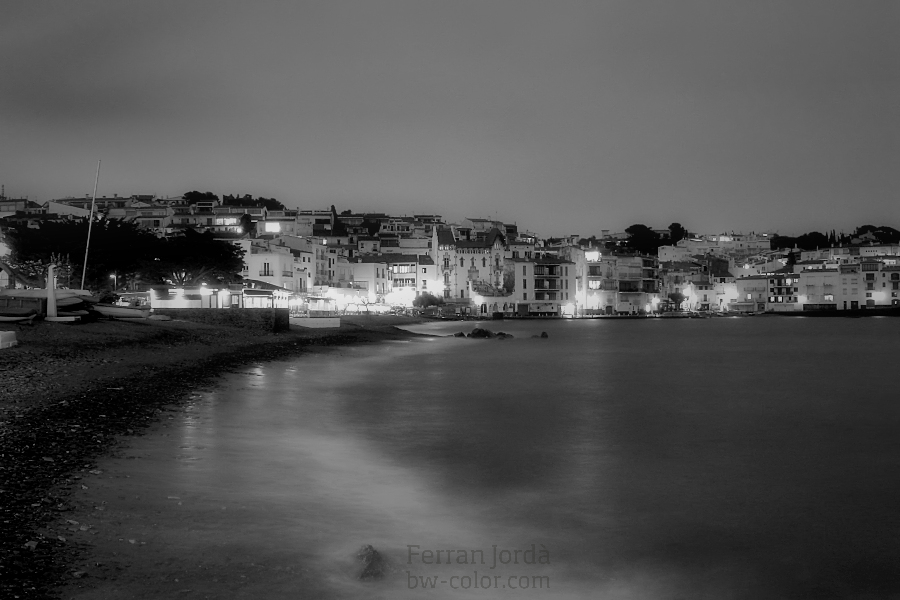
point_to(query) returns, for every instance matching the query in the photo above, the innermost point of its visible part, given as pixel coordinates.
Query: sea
(647, 459)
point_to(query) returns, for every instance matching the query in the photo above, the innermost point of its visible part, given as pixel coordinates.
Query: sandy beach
(71, 394)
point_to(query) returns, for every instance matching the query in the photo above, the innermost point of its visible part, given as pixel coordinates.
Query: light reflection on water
(654, 459)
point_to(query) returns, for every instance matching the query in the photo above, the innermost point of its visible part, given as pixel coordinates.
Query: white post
(51, 291)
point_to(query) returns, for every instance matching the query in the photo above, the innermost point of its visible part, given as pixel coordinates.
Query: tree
(196, 258)
(271, 203)
(642, 239)
(780, 242)
(677, 298)
(248, 225)
(676, 233)
(509, 279)
(195, 196)
(116, 247)
(425, 299)
(812, 241)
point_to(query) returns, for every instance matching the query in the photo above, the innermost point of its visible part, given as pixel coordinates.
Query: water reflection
(712, 459)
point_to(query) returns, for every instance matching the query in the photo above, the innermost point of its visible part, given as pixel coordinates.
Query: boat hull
(17, 319)
(121, 312)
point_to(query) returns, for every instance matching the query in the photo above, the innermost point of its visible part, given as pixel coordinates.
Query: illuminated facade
(466, 266)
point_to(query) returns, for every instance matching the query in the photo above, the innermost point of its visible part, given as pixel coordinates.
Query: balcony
(287, 273)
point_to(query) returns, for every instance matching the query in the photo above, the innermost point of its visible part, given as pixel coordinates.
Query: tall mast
(90, 223)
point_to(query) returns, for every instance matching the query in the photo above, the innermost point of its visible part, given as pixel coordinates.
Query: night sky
(564, 117)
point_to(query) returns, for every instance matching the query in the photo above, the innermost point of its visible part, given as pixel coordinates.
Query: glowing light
(204, 291)
(273, 227)
(401, 297)
(592, 256)
(654, 302)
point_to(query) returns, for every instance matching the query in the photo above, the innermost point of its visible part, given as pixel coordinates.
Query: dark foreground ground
(68, 393)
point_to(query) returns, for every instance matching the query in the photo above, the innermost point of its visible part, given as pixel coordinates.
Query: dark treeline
(644, 240)
(120, 252)
(815, 239)
(234, 200)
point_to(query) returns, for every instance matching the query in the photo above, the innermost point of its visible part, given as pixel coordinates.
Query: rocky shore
(68, 395)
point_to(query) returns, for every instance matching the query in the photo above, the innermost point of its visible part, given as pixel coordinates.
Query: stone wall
(261, 319)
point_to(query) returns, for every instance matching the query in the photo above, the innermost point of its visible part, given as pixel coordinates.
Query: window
(524, 295)
(524, 284)
(483, 262)
(524, 270)
(462, 262)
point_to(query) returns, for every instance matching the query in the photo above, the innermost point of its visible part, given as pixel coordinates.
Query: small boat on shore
(42, 293)
(114, 311)
(17, 315)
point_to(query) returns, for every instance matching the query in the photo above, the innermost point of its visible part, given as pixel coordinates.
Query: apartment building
(544, 286)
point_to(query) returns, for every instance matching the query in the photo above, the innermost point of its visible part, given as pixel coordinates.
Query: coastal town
(322, 262)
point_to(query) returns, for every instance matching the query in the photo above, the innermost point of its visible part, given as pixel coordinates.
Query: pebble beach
(70, 394)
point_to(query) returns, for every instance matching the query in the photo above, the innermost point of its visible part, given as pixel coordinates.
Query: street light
(115, 279)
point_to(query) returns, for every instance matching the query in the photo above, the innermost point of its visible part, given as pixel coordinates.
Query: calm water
(718, 458)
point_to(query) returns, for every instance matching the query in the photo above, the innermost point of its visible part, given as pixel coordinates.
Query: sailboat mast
(90, 223)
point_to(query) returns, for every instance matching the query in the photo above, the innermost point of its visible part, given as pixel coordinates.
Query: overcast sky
(564, 117)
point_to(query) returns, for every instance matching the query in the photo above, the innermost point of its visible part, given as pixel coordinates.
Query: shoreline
(68, 394)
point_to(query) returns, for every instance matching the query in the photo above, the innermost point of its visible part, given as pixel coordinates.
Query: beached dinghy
(114, 311)
(17, 315)
(42, 293)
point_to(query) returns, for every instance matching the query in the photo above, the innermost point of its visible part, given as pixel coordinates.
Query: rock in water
(478, 332)
(375, 567)
(544, 334)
